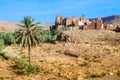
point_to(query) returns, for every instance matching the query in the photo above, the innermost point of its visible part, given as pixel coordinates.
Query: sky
(45, 11)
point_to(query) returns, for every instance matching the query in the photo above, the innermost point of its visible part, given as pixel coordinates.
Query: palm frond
(29, 34)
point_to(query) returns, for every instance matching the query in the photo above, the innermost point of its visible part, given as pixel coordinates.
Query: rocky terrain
(79, 55)
(114, 19)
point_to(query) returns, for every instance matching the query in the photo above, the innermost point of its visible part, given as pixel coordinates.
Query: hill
(7, 26)
(11, 27)
(114, 19)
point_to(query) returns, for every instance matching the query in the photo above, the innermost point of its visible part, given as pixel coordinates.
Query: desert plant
(32, 69)
(47, 36)
(28, 35)
(1, 44)
(22, 64)
(1, 47)
(23, 67)
(58, 31)
(7, 37)
(10, 53)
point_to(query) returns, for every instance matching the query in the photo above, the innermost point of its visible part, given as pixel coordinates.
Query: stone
(80, 78)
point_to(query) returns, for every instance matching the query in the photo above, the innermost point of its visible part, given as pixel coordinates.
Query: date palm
(28, 35)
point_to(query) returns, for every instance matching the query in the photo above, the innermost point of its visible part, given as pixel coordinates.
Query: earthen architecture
(81, 23)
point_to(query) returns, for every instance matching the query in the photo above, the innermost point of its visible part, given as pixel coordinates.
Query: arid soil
(80, 55)
(11, 27)
(7, 26)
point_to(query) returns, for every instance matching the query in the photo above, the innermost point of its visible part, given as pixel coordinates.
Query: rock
(82, 62)
(80, 78)
(72, 53)
(111, 73)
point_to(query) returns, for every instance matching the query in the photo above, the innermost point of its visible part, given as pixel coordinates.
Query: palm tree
(28, 35)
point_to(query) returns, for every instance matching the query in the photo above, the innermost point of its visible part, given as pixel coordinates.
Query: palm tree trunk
(29, 54)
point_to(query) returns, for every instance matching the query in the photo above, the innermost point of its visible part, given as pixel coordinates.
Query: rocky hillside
(114, 19)
(80, 36)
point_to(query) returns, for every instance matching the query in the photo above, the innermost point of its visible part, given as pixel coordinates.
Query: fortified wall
(81, 23)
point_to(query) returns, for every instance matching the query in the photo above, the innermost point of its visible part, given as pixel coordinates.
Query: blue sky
(46, 10)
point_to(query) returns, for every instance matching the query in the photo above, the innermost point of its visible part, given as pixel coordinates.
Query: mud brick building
(81, 23)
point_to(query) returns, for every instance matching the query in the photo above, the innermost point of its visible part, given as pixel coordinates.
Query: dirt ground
(80, 55)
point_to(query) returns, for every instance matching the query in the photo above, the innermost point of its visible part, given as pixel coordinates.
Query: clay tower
(99, 23)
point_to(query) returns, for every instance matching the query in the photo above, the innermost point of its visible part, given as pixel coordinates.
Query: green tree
(28, 35)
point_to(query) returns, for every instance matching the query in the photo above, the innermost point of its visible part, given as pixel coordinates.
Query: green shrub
(48, 36)
(60, 30)
(32, 69)
(7, 37)
(22, 64)
(1, 44)
(23, 67)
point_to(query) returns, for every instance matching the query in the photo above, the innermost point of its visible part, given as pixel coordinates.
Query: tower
(99, 23)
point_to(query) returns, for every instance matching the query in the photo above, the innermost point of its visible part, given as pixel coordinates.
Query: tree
(28, 35)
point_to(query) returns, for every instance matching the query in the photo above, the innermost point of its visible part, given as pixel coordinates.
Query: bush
(10, 53)
(1, 47)
(1, 44)
(32, 69)
(7, 37)
(23, 67)
(60, 30)
(22, 64)
(48, 36)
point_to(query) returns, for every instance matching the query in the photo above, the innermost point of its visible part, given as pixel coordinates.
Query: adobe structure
(81, 23)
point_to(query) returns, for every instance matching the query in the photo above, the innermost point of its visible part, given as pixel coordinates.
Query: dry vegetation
(81, 55)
